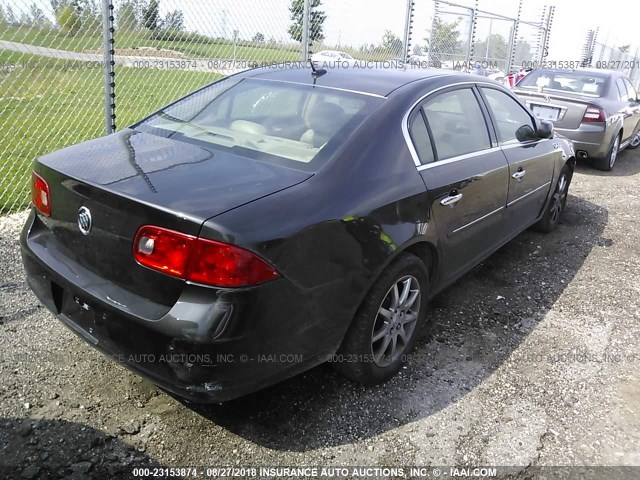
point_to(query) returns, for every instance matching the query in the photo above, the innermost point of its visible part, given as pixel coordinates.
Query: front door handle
(519, 174)
(451, 199)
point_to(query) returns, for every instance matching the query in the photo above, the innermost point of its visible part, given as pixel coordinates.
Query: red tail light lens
(163, 250)
(199, 260)
(594, 114)
(216, 263)
(40, 194)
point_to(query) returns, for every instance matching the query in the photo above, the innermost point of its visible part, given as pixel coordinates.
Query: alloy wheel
(559, 198)
(395, 321)
(635, 141)
(614, 152)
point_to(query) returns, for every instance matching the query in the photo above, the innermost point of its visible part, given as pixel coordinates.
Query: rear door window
(457, 123)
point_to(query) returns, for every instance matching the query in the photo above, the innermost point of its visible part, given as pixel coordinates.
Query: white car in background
(332, 57)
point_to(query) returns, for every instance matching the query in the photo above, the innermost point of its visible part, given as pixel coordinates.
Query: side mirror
(545, 130)
(525, 133)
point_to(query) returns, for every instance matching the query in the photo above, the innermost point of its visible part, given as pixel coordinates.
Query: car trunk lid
(565, 111)
(132, 179)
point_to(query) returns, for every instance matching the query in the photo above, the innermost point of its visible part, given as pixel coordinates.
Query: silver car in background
(598, 109)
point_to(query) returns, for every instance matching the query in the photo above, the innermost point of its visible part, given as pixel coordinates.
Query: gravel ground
(533, 362)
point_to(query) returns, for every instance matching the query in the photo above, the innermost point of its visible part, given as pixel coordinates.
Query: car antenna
(316, 72)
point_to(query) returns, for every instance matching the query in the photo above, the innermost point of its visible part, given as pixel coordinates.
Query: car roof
(364, 79)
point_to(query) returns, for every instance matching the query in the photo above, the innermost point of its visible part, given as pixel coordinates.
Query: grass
(193, 46)
(46, 104)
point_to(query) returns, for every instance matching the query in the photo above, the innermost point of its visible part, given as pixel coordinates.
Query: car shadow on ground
(51, 449)
(479, 322)
(627, 165)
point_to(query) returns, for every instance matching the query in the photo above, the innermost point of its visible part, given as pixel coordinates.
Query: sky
(356, 22)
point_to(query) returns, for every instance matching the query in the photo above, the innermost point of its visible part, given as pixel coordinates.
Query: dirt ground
(533, 362)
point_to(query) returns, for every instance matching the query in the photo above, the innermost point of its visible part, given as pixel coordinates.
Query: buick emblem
(84, 220)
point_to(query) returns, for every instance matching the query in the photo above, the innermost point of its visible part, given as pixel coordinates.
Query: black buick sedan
(280, 218)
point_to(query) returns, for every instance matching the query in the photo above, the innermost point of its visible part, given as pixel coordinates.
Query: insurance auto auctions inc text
(373, 472)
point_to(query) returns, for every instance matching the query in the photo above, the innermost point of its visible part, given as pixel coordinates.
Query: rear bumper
(593, 139)
(212, 345)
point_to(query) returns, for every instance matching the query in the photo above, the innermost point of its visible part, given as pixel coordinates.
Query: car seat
(323, 122)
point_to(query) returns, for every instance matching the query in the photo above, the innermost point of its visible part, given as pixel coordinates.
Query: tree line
(75, 17)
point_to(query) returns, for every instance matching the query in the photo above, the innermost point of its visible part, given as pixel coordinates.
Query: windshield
(570, 82)
(285, 123)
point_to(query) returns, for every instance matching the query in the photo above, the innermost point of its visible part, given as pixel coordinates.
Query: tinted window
(457, 124)
(420, 137)
(269, 121)
(623, 95)
(508, 113)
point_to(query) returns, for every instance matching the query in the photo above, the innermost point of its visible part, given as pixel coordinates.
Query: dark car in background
(598, 109)
(280, 218)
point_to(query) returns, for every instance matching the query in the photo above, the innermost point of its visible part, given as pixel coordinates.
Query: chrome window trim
(405, 124)
(507, 146)
(478, 219)
(457, 158)
(527, 194)
(369, 94)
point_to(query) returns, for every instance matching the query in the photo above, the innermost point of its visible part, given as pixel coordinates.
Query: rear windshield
(295, 125)
(570, 82)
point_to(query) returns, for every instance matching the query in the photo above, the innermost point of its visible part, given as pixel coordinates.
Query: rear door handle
(519, 174)
(451, 199)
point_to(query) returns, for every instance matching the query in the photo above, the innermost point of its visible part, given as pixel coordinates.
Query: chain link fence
(71, 70)
(601, 55)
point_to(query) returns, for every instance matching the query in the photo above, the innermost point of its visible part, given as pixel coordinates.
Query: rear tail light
(199, 260)
(594, 114)
(40, 194)
(163, 250)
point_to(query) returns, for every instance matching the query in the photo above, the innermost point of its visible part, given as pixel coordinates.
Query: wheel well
(571, 163)
(428, 254)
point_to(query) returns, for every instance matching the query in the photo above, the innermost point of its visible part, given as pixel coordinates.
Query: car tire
(551, 218)
(385, 328)
(606, 164)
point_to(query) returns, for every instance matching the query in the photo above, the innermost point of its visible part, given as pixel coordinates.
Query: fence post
(432, 39)
(587, 49)
(472, 34)
(306, 30)
(514, 40)
(408, 27)
(542, 34)
(109, 66)
(547, 32)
